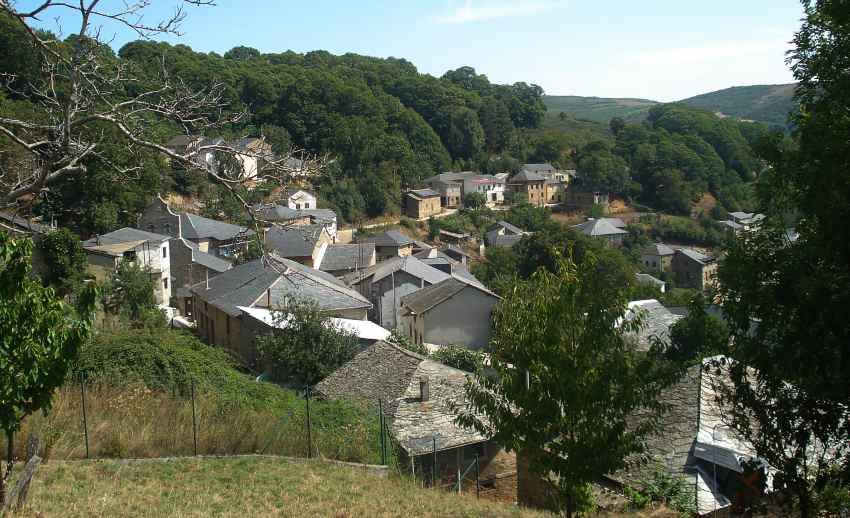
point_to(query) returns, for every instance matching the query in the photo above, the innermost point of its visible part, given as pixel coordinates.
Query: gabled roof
(347, 257)
(508, 227)
(451, 176)
(291, 191)
(388, 238)
(421, 194)
(193, 226)
(423, 300)
(657, 249)
(599, 227)
(656, 318)
(645, 278)
(363, 329)
(298, 241)
(695, 255)
(203, 258)
(493, 238)
(273, 281)
(434, 253)
(125, 235)
(538, 168)
(527, 176)
(388, 372)
(24, 224)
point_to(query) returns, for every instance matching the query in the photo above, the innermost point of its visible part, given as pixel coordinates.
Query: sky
(664, 50)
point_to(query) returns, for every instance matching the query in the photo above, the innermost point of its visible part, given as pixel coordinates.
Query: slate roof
(451, 176)
(659, 249)
(284, 213)
(388, 238)
(393, 374)
(125, 235)
(616, 222)
(421, 245)
(282, 280)
(599, 227)
(421, 301)
(421, 194)
(205, 259)
(297, 241)
(538, 168)
(432, 254)
(513, 229)
(294, 190)
(657, 321)
(493, 238)
(649, 279)
(527, 176)
(347, 257)
(695, 255)
(193, 226)
(24, 224)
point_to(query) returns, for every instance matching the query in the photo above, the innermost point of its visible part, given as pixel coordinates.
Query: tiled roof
(125, 235)
(393, 374)
(599, 227)
(347, 257)
(388, 238)
(281, 280)
(408, 264)
(193, 226)
(299, 241)
(421, 301)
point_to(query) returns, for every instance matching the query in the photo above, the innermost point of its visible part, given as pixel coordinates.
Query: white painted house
(298, 199)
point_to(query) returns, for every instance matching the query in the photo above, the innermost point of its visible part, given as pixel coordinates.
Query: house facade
(422, 203)
(389, 244)
(343, 259)
(297, 199)
(530, 185)
(693, 269)
(189, 266)
(657, 257)
(305, 244)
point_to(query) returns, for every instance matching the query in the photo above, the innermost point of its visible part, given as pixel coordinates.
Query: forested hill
(769, 104)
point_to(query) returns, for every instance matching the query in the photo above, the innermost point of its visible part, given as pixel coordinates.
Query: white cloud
(720, 51)
(475, 12)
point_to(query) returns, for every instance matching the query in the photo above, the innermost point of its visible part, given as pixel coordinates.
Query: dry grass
(244, 486)
(139, 423)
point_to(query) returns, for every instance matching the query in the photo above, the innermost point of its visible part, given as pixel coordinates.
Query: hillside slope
(243, 486)
(768, 104)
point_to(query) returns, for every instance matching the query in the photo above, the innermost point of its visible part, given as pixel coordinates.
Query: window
(297, 206)
(164, 252)
(165, 283)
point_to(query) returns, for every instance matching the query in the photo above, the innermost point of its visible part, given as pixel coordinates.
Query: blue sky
(658, 49)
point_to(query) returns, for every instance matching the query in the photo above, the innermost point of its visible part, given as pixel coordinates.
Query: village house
(286, 216)
(418, 398)
(436, 258)
(253, 153)
(602, 229)
(454, 238)
(148, 250)
(189, 145)
(421, 203)
(340, 260)
(649, 280)
(386, 283)
(449, 312)
(211, 236)
(693, 269)
(492, 188)
(550, 172)
(530, 185)
(556, 182)
(271, 282)
(450, 192)
(454, 186)
(297, 199)
(504, 234)
(18, 225)
(584, 200)
(457, 253)
(391, 243)
(189, 266)
(656, 321)
(305, 244)
(657, 257)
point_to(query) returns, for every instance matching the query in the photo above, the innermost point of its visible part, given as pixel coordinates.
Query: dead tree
(83, 100)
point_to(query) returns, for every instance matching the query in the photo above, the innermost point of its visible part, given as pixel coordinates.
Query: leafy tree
(786, 302)
(65, 260)
(698, 335)
(130, 292)
(617, 124)
(474, 200)
(570, 421)
(459, 357)
(308, 348)
(39, 342)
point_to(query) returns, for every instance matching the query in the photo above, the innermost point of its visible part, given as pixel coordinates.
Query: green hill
(769, 104)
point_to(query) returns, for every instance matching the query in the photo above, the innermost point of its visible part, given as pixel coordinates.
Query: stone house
(189, 266)
(253, 153)
(211, 236)
(270, 282)
(450, 193)
(340, 260)
(148, 250)
(270, 214)
(500, 230)
(22, 226)
(418, 398)
(449, 312)
(602, 229)
(530, 184)
(421, 203)
(190, 145)
(454, 186)
(657, 257)
(305, 244)
(583, 200)
(391, 243)
(693, 269)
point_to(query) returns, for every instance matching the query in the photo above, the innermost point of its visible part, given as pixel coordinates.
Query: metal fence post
(382, 439)
(83, 403)
(194, 422)
(434, 462)
(477, 474)
(309, 431)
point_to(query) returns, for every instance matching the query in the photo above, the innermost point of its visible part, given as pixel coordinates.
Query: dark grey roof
(294, 190)
(281, 280)
(452, 249)
(407, 264)
(527, 176)
(193, 226)
(388, 238)
(423, 193)
(24, 224)
(421, 245)
(695, 256)
(508, 227)
(645, 278)
(421, 301)
(433, 254)
(615, 222)
(297, 241)
(203, 258)
(320, 214)
(659, 249)
(599, 227)
(450, 176)
(277, 213)
(656, 320)
(347, 257)
(493, 238)
(538, 168)
(125, 235)
(393, 374)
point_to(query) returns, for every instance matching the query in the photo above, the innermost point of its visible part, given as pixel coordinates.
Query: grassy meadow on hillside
(598, 109)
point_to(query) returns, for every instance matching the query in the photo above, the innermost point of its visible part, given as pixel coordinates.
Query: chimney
(424, 389)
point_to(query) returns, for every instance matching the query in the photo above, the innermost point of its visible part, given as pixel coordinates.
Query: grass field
(242, 486)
